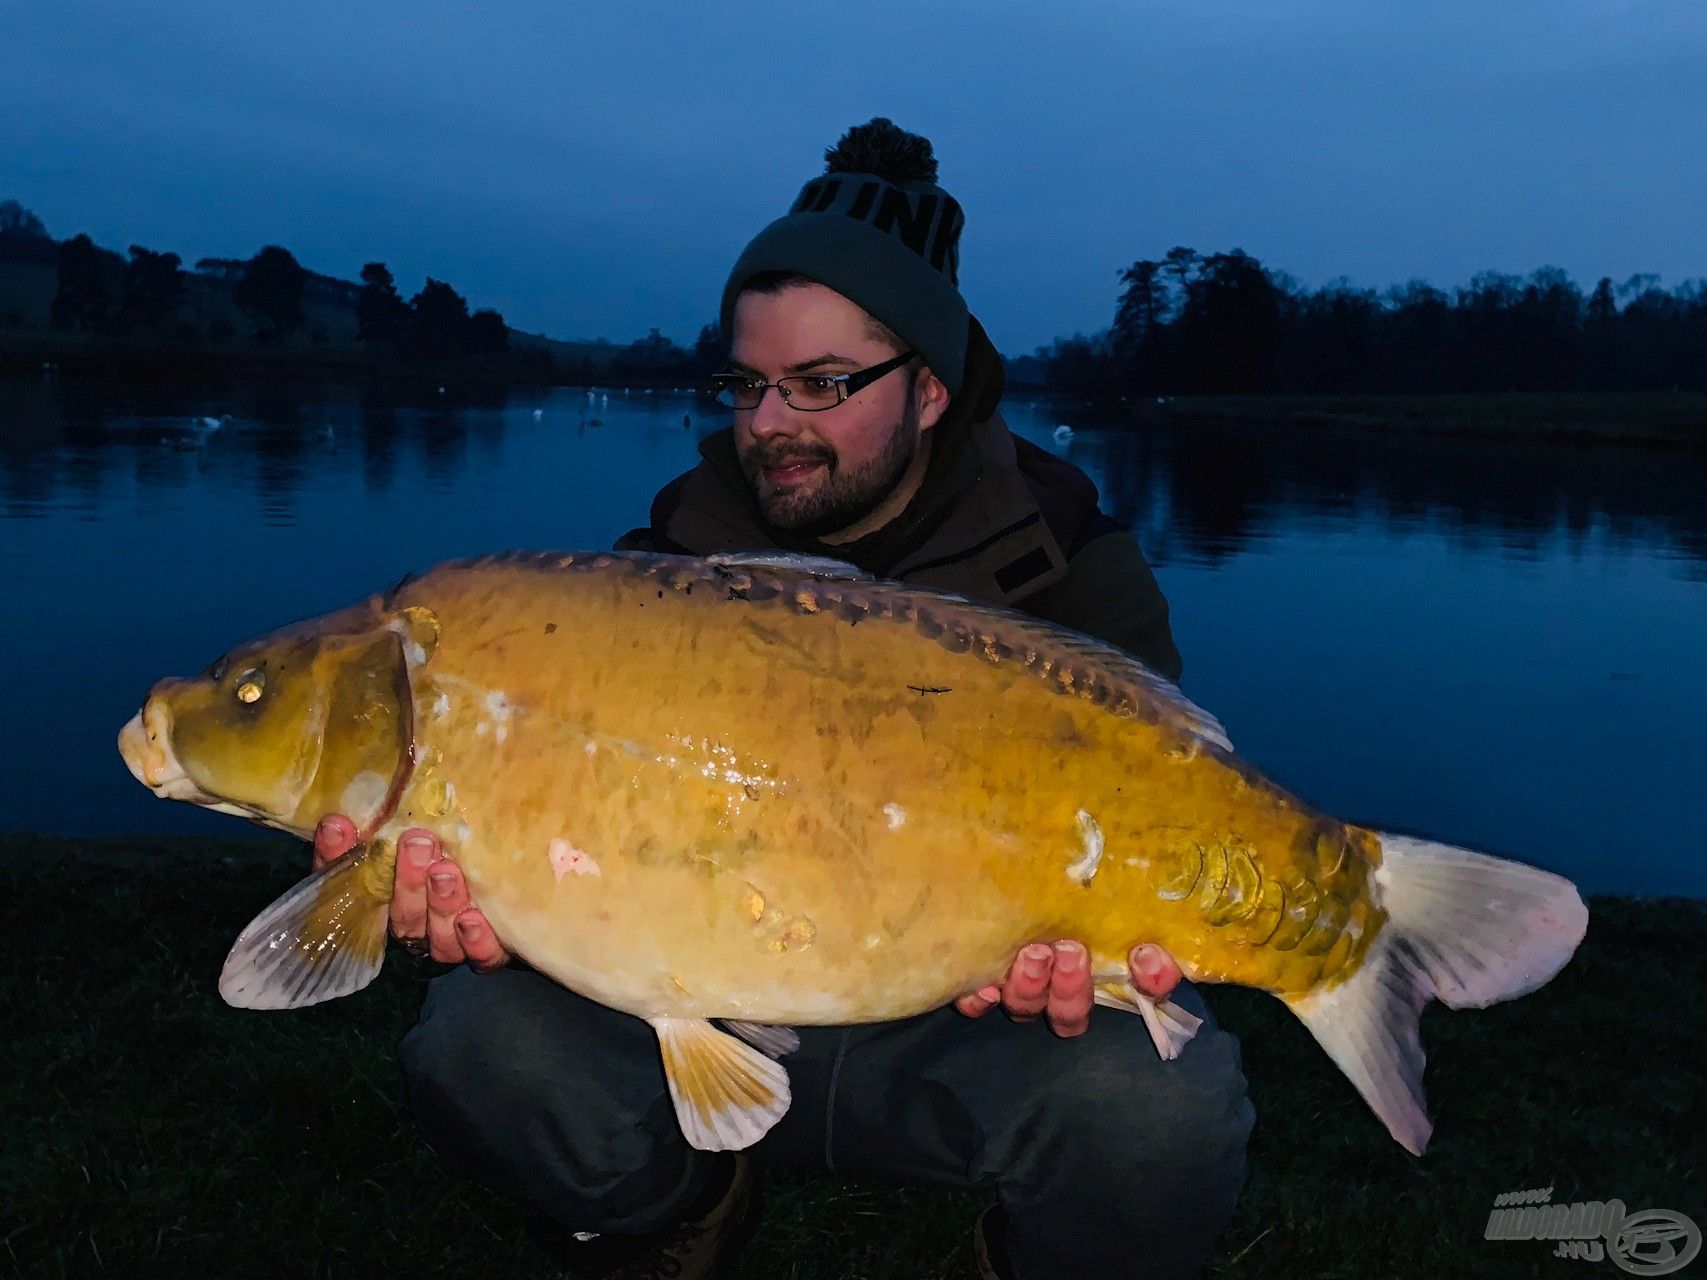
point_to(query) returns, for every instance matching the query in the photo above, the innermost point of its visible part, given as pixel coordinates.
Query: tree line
(1223, 324)
(150, 297)
(1185, 324)
(100, 293)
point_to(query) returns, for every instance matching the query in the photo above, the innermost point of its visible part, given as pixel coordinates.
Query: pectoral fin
(727, 1093)
(323, 939)
(1171, 1027)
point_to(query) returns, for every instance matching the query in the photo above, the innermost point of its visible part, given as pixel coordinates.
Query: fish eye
(251, 686)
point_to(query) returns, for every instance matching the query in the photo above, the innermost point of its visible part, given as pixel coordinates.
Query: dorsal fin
(1074, 662)
(1090, 659)
(1123, 666)
(793, 561)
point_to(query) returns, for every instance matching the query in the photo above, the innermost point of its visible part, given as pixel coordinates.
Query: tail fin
(1463, 928)
(324, 938)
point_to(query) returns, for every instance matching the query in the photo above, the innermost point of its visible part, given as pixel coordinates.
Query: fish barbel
(768, 790)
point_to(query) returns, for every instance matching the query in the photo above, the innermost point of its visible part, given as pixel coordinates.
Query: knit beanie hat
(878, 230)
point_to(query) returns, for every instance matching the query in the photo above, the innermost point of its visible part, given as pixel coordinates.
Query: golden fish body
(751, 788)
(701, 791)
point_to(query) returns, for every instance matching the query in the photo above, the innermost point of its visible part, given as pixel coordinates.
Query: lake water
(1497, 644)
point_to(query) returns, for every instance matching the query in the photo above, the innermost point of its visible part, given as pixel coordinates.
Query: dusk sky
(594, 170)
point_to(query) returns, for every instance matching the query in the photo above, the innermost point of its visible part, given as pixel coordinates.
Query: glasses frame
(846, 384)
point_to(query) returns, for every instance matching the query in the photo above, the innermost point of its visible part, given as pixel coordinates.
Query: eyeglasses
(808, 392)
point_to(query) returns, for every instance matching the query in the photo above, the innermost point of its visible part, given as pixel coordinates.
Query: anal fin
(727, 1093)
(1171, 1027)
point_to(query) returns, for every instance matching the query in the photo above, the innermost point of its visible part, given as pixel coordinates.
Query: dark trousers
(1110, 1162)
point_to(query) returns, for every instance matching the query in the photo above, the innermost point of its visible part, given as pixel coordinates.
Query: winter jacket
(996, 518)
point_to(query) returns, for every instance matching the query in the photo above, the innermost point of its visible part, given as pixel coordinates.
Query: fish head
(309, 720)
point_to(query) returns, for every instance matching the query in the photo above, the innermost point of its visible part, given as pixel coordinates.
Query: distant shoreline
(116, 359)
(1663, 420)
(1676, 420)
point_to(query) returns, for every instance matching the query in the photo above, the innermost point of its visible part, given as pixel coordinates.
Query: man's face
(826, 473)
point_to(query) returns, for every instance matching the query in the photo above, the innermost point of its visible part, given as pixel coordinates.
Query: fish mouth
(145, 742)
(146, 745)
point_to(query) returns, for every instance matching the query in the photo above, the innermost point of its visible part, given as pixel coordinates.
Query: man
(865, 427)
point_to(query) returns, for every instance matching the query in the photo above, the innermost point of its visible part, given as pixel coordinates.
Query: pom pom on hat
(883, 148)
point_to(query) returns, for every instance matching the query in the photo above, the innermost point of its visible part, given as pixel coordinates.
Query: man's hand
(1055, 982)
(430, 910)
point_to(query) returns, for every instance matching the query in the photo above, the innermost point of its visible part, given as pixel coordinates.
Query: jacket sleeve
(1110, 593)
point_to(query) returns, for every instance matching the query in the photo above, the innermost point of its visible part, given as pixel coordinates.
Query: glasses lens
(811, 392)
(735, 392)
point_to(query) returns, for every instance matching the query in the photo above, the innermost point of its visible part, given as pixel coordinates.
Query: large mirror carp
(766, 790)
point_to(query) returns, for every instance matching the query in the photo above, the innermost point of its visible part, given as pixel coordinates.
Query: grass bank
(1673, 420)
(149, 1126)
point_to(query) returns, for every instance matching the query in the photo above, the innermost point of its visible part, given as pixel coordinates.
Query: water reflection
(1202, 494)
(1197, 495)
(72, 443)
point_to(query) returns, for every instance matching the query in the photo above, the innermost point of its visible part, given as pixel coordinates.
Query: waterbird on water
(196, 433)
